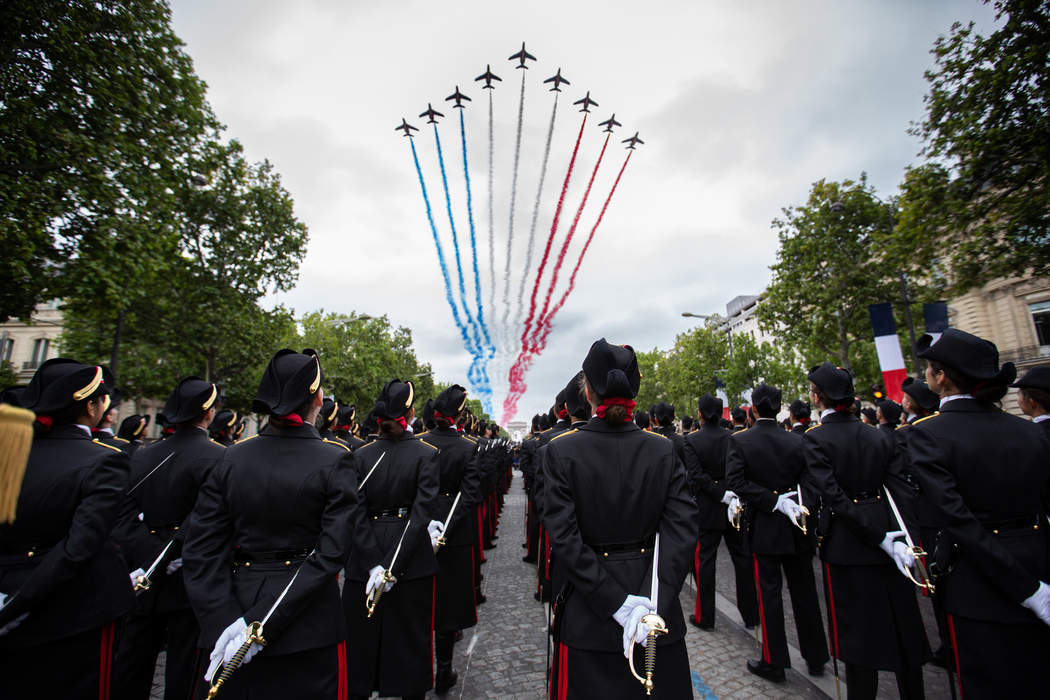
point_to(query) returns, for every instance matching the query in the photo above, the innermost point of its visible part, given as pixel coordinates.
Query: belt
(608, 548)
(395, 512)
(1024, 522)
(27, 552)
(865, 497)
(158, 527)
(243, 558)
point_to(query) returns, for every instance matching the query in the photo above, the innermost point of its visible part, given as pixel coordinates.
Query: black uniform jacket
(458, 472)
(615, 487)
(561, 427)
(272, 499)
(678, 440)
(125, 446)
(705, 462)
(984, 474)
(165, 480)
(848, 462)
(400, 492)
(57, 559)
(762, 463)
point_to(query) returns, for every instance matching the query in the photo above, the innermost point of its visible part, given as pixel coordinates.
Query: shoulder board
(901, 426)
(126, 442)
(429, 445)
(926, 418)
(472, 441)
(217, 443)
(546, 431)
(662, 437)
(250, 437)
(567, 432)
(737, 432)
(108, 447)
(813, 427)
(419, 435)
(333, 442)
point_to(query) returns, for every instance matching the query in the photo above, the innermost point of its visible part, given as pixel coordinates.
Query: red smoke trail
(548, 321)
(565, 249)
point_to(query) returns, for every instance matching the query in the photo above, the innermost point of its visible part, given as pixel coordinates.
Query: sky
(742, 107)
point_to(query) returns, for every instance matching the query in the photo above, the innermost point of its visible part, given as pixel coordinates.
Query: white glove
(732, 509)
(235, 634)
(897, 551)
(435, 529)
(629, 616)
(173, 566)
(135, 574)
(789, 507)
(1039, 602)
(728, 496)
(375, 578)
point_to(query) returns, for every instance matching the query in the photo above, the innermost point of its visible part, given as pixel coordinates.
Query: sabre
(142, 583)
(444, 527)
(805, 511)
(923, 580)
(656, 624)
(162, 462)
(388, 577)
(255, 636)
(363, 481)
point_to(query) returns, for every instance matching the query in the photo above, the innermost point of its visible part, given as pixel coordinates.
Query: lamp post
(706, 317)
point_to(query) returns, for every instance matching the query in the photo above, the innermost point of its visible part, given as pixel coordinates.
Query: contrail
(486, 399)
(455, 247)
(565, 244)
(492, 228)
(535, 216)
(510, 228)
(441, 257)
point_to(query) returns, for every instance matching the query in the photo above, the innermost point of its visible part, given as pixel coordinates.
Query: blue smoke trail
(487, 399)
(472, 373)
(476, 347)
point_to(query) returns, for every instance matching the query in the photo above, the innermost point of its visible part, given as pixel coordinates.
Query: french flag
(888, 346)
(720, 392)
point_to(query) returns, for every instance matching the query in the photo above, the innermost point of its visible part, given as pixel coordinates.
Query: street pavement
(504, 655)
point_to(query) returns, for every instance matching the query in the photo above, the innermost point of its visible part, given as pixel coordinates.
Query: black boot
(765, 670)
(445, 678)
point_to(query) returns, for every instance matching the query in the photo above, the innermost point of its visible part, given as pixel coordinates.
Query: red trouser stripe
(955, 650)
(340, 651)
(481, 538)
(831, 604)
(433, 612)
(105, 660)
(696, 577)
(563, 673)
(761, 613)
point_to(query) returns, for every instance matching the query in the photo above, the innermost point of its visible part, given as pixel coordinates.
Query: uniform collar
(954, 397)
(599, 425)
(291, 431)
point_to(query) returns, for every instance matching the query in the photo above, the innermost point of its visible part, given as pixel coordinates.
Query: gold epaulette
(429, 445)
(471, 440)
(662, 437)
(567, 432)
(126, 442)
(217, 443)
(250, 437)
(932, 415)
(337, 444)
(108, 447)
(813, 427)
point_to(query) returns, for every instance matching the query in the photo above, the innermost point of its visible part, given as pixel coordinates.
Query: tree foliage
(986, 134)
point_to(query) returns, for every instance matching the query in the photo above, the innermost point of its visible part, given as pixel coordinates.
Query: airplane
(488, 76)
(430, 114)
(557, 80)
(406, 127)
(586, 102)
(610, 123)
(458, 97)
(633, 141)
(522, 56)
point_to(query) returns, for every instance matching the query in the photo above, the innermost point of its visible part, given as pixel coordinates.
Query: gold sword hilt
(254, 637)
(441, 542)
(142, 583)
(657, 627)
(373, 600)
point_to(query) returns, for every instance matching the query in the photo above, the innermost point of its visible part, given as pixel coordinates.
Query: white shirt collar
(825, 413)
(953, 397)
(107, 431)
(87, 430)
(1040, 419)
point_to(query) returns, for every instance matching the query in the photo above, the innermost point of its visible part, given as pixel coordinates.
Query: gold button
(30, 553)
(995, 532)
(375, 517)
(400, 516)
(247, 563)
(287, 563)
(176, 528)
(153, 532)
(605, 554)
(643, 550)
(855, 500)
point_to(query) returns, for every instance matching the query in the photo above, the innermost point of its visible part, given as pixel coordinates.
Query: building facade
(26, 345)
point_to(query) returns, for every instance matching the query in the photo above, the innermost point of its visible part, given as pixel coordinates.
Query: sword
(656, 624)
(142, 583)
(132, 490)
(255, 636)
(923, 580)
(363, 481)
(444, 527)
(801, 522)
(388, 577)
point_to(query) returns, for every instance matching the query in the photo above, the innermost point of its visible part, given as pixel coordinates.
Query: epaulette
(567, 432)
(429, 445)
(932, 415)
(337, 444)
(108, 447)
(546, 431)
(126, 442)
(737, 432)
(813, 427)
(471, 440)
(250, 437)
(662, 437)
(217, 443)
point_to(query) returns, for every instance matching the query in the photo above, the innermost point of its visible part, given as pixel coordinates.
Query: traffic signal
(878, 392)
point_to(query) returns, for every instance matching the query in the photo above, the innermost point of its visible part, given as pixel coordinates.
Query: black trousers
(862, 683)
(704, 571)
(78, 667)
(143, 639)
(532, 528)
(798, 570)
(996, 660)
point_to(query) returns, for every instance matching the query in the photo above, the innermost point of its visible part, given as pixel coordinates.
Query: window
(40, 347)
(1041, 317)
(7, 346)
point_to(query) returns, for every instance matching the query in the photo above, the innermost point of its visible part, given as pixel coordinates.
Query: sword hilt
(657, 626)
(373, 600)
(142, 584)
(254, 637)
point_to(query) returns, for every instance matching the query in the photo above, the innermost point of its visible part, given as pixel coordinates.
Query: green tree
(753, 363)
(100, 106)
(690, 368)
(985, 132)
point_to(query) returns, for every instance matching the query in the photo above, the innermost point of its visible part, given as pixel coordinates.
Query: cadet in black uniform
(527, 464)
(278, 505)
(222, 427)
(398, 476)
(459, 476)
(543, 579)
(1033, 396)
(132, 429)
(609, 489)
(918, 401)
(165, 480)
(764, 467)
(642, 420)
(984, 474)
(663, 415)
(874, 616)
(705, 462)
(799, 414)
(347, 425)
(63, 581)
(327, 419)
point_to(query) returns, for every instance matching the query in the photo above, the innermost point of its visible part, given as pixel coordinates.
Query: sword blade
(156, 562)
(162, 462)
(365, 480)
(285, 591)
(897, 515)
(654, 585)
(400, 542)
(451, 510)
